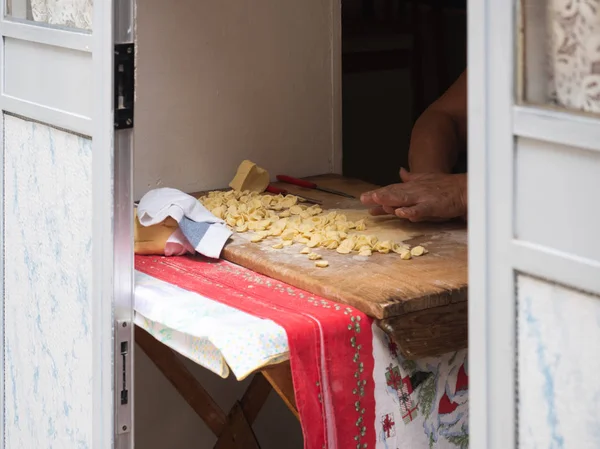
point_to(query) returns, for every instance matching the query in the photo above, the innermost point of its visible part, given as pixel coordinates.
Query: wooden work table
(421, 303)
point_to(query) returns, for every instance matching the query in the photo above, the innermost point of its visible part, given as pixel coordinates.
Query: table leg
(234, 431)
(280, 378)
(238, 434)
(184, 382)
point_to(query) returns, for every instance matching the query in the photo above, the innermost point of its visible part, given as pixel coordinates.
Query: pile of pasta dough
(288, 221)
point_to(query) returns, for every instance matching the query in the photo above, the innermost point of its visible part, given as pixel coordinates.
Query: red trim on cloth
(331, 345)
(462, 380)
(445, 405)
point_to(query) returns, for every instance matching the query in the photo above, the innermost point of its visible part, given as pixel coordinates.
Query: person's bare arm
(440, 133)
(429, 191)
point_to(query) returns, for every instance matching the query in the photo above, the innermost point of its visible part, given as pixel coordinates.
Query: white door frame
(121, 162)
(491, 286)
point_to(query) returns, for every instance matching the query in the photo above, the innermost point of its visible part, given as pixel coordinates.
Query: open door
(66, 73)
(534, 200)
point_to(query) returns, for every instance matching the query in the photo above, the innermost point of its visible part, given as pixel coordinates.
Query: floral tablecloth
(395, 403)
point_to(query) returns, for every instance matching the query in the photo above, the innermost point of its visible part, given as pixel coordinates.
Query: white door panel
(49, 83)
(558, 196)
(533, 236)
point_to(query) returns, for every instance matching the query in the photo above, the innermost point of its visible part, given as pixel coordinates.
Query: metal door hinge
(123, 377)
(124, 85)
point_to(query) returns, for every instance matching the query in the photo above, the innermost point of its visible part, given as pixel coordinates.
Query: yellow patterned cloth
(211, 334)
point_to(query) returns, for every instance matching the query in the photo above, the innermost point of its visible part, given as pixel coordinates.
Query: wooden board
(420, 303)
(429, 332)
(382, 285)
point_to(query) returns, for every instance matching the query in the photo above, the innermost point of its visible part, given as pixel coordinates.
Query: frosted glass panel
(558, 365)
(561, 54)
(47, 287)
(64, 13)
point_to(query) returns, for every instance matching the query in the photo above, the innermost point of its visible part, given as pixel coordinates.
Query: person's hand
(421, 197)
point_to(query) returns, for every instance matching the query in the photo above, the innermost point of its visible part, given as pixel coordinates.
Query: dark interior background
(398, 56)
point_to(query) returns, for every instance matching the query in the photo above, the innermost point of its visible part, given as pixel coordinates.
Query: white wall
(164, 420)
(218, 82)
(221, 81)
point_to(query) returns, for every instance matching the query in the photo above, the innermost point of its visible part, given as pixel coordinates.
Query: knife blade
(277, 190)
(311, 185)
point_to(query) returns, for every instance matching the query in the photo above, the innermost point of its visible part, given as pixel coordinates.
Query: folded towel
(203, 231)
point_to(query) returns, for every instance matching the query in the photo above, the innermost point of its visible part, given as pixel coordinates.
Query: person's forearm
(434, 144)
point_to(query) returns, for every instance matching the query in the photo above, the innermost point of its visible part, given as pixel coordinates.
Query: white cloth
(158, 204)
(199, 229)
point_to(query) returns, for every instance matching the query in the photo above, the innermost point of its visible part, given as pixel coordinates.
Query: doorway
(398, 56)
